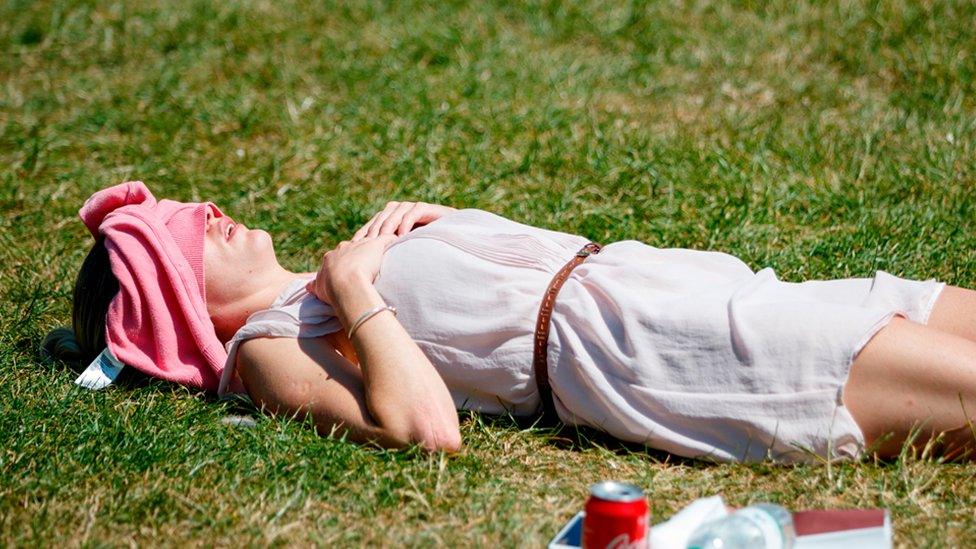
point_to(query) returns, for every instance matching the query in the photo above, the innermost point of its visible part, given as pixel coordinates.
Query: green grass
(823, 139)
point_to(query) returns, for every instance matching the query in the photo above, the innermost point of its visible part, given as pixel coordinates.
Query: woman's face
(234, 257)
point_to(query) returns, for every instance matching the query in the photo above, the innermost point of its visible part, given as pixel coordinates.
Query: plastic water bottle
(760, 526)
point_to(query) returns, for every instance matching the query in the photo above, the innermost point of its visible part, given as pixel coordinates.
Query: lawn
(823, 139)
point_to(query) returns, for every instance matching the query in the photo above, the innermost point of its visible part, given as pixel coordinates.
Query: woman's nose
(211, 215)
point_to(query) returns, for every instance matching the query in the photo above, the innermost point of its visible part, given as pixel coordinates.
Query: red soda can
(616, 517)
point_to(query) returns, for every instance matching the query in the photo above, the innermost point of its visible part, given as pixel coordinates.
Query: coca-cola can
(616, 517)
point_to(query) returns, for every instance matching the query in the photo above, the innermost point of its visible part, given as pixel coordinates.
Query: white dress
(691, 352)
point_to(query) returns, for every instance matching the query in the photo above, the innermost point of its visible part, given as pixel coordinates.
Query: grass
(823, 139)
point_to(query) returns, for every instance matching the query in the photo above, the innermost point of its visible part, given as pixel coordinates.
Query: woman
(687, 351)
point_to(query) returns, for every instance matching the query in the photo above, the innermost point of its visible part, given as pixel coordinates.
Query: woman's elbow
(450, 441)
(442, 440)
(429, 436)
(430, 428)
(437, 430)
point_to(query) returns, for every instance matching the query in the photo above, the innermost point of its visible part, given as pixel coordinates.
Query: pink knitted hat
(158, 322)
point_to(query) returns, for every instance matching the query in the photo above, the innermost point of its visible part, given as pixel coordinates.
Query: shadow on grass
(577, 438)
(916, 448)
(140, 385)
(558, 435)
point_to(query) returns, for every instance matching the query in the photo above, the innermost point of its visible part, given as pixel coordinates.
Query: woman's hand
(401, 217)
(361, 258)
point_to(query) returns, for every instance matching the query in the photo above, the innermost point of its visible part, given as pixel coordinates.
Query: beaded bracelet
(368, 314)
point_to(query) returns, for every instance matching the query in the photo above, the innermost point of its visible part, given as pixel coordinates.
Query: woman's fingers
(313, 288)
(377, 219)
(400, 218)
(423, 213)
(362, 230)
(364, 255)
(406, 223)
(389, 240)
(393, 210)
(393, 221)
(372, 227)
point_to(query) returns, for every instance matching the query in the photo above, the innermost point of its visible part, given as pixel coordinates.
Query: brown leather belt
(542, 329)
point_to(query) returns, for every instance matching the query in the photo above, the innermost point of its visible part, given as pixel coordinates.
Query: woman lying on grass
(428, 309)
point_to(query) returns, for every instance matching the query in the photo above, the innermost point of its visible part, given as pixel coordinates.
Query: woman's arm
(394, 398)
(404, 392)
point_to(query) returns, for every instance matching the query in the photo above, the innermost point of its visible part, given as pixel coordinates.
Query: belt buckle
(586, 250)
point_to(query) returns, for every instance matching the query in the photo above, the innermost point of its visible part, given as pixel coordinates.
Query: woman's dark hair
(95, 288)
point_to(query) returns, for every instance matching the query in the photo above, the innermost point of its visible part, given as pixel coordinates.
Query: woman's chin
(261, 239)
(257, 233)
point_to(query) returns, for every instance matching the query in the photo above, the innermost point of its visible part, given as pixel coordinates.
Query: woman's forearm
(404, 393)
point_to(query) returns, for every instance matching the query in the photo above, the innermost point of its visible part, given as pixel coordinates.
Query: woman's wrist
(353, 295)
(342, 280)
(368, 314)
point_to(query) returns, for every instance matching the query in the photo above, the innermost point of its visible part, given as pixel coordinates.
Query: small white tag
(101, 372)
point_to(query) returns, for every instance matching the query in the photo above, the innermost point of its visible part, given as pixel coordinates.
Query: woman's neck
(229, 316)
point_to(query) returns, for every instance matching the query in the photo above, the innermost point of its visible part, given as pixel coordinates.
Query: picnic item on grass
(239, 421)
(815, 529)
(616, 516)
(838, 528)
(101, 372)
(762, 525)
